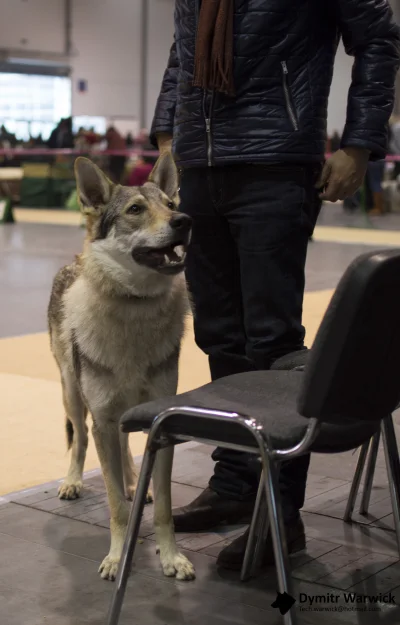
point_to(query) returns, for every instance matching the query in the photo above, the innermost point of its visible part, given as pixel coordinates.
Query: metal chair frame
(159, 437)
(367, 460)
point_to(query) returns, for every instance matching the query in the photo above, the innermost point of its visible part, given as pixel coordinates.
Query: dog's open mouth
(169, 259)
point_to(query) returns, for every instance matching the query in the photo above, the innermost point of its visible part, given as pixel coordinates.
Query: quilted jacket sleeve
(165, 108)
(371, 35)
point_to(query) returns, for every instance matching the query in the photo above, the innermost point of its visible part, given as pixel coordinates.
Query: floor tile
(53, 531)
(370, 538)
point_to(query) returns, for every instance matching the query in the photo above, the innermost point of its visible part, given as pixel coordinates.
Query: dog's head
(138, 227)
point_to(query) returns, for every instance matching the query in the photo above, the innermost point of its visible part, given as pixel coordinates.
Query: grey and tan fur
(116, 320)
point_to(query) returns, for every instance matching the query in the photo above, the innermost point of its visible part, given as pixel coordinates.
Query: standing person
(116, 162)
(394, 144)
(129, 140)
(243, 106)
(62, 136)
(375, 176)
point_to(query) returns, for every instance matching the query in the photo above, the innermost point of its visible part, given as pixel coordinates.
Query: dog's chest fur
(121, 342)
(125, 335)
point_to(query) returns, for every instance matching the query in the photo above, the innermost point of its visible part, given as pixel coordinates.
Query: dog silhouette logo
(283, 602)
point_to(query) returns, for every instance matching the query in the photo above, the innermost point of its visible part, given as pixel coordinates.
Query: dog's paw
(70, 490)
(130, 494)
(178, 566)
(108, 568)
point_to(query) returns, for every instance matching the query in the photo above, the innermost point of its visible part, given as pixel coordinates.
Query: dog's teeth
(179, 251)
(166, 259)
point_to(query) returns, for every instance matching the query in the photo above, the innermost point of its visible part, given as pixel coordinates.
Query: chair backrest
(353, 369)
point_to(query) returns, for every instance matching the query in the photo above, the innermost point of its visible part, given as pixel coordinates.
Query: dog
(116, 320)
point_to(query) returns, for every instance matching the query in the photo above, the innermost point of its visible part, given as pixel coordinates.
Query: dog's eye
(135, 209)
(171, 205)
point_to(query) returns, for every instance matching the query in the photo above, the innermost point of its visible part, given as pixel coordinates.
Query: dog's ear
(94, 188)
(165, 175)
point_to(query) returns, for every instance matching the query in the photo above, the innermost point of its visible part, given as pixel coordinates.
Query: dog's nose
(181, 222)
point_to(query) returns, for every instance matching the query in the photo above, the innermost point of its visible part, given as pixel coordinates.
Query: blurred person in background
(116, 162)
(142, 138)
(62, 136)
(375, 174)
(80, 140)
(85, 139)
(243, 106)
(145, 162)
(8, 139)
(394, 144)
(39, 141)
(140, 171)
(129, 140)
(92, 137)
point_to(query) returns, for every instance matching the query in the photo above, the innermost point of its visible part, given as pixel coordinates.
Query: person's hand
(164, 142)
(343, 174)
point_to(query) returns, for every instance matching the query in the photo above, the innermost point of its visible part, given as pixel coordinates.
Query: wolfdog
(116, 319)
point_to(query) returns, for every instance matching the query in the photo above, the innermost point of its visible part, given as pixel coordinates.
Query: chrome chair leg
(278, 532)
(132, 533)
(369, 473)
(257, 535)
(355, 486)
(393, 468)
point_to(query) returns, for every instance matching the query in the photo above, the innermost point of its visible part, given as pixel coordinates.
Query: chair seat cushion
(295, 361)
(269, 397)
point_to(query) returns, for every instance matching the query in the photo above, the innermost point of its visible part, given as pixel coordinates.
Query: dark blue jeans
(245, 271)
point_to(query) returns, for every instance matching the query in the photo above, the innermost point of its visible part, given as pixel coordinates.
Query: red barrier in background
(12, 152)
(16, 152)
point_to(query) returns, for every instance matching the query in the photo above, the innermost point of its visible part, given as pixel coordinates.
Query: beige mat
(32, 442)
(357, 235)
(48, 216)
(322, 233)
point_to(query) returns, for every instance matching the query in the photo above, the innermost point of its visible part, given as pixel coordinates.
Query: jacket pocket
(290, 108)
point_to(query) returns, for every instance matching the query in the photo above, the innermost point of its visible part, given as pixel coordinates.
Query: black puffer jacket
(284, 54)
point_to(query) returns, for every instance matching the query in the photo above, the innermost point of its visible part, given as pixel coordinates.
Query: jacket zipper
(207, 117)
(288, 99)
(207, 114)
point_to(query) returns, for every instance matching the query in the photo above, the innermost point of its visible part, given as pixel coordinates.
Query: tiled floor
(50, 550)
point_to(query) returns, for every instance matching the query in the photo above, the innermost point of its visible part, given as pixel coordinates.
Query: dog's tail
(69, 428)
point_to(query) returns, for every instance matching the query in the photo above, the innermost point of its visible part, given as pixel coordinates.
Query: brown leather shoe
(210, 510)
(232, 556)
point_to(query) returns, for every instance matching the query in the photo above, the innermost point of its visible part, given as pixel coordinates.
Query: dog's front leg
(107, 439)
(174, 563)
(129, 470)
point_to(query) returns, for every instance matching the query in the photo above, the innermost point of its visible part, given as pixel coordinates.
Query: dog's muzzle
(168, 260)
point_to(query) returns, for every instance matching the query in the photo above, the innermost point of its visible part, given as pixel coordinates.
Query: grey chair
(349, 387)
(367, 458)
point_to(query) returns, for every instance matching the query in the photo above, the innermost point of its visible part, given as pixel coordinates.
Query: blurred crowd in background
(133, 165)
(128, 168)
(63, 137)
